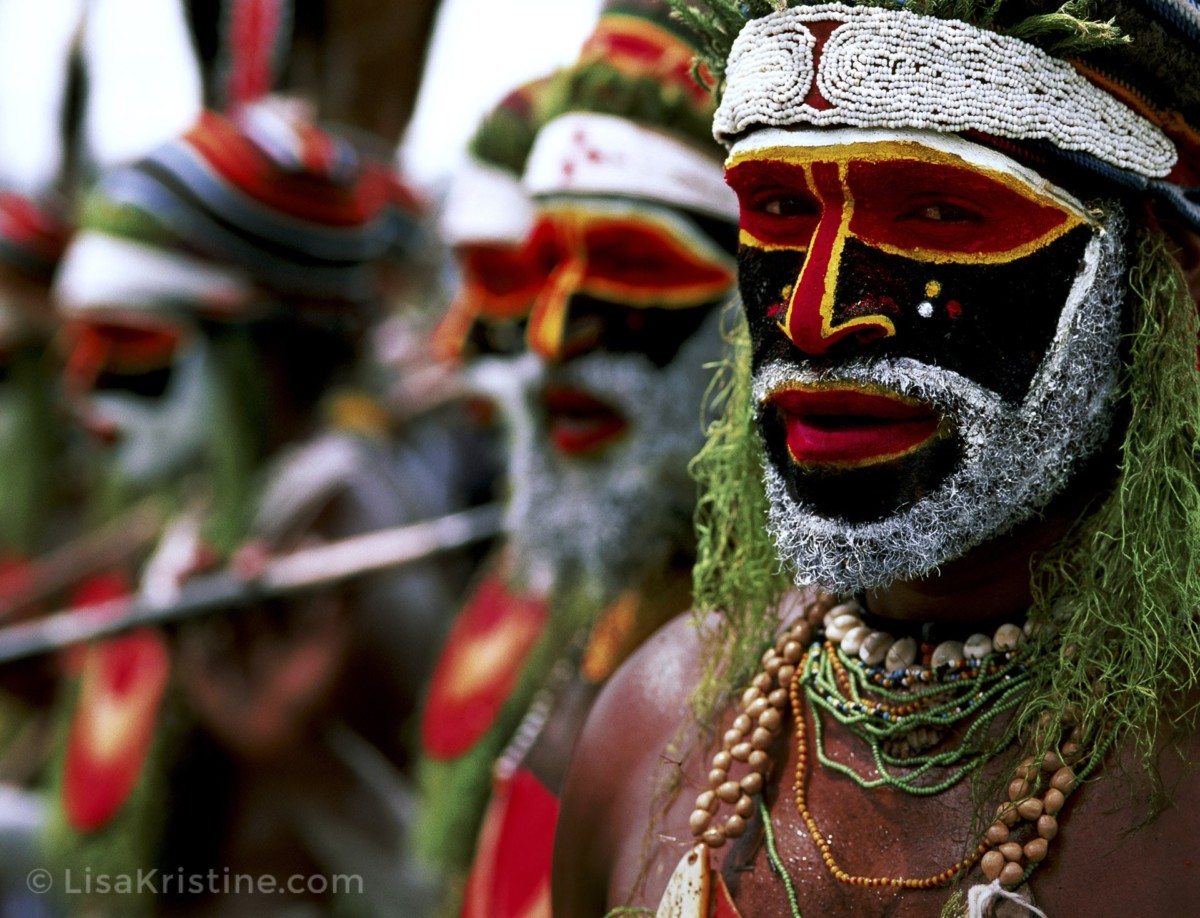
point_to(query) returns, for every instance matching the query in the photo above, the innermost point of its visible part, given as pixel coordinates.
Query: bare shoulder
(626, 740)
(650, 692)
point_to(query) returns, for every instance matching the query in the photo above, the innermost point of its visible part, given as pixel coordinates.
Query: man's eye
(786, 206)
(942, 213)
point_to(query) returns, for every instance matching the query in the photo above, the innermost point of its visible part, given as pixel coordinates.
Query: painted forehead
(593, 216)
(931, 196)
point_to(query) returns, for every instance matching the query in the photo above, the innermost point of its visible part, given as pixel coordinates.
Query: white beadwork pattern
(895, 69)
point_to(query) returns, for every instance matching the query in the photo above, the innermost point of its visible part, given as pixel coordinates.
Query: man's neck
(991, 582)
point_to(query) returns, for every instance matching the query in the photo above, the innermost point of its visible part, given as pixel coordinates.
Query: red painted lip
(849, 427)
(579, 422)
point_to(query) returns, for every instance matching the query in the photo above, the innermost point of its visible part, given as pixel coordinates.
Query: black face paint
(991, 323)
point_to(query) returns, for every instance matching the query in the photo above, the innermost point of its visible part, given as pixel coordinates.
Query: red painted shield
(122, 688)
(479, 667)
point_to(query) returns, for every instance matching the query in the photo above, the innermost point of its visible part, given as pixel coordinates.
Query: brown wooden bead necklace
(1036, 794)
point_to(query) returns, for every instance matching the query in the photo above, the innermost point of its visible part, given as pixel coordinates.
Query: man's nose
(810, 321)
(553, 334)
(85, 356)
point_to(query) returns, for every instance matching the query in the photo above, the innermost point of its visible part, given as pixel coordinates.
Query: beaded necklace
(806, 669)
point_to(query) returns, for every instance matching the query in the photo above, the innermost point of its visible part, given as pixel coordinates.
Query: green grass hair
(1123, 590)
(30, 450)
(236, 446)
(599, 87)
(737, 573)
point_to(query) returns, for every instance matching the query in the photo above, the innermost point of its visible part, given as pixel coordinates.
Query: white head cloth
(485, 205)
(102, 274)
(586, 153)
(895, 69)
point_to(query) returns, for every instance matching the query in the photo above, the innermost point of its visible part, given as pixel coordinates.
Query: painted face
(935, 343)
(621, 278)
(499, 285)
(144, 388)
(620, 334)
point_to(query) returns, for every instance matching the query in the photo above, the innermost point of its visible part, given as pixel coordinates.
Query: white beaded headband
(588, 153)
(485, 205)
(895, 69)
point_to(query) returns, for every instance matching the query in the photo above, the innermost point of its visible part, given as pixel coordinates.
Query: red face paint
(926, 207)
(499, 285)
(632, 258)
(108, 346)
(895, 250)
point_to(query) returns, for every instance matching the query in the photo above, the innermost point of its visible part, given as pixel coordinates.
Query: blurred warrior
(624, 269)
(220, 293)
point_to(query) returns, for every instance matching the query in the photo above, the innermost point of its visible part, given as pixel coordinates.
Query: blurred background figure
(242, 331)
(37, 484)
(221, 292)
(617, 284)
(40, 492)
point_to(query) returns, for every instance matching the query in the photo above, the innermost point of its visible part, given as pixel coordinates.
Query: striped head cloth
(260, 208)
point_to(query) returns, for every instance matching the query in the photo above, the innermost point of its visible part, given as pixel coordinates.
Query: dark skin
(670, 592)
(618, 842)
(605, 831)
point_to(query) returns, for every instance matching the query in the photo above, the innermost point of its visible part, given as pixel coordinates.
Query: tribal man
(964, 420)
(631, 252)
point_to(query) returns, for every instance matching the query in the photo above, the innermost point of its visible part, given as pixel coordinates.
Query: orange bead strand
(939, 879)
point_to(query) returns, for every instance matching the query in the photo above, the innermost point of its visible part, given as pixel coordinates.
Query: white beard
(611, 517)
(1017, 458)
(161, 437)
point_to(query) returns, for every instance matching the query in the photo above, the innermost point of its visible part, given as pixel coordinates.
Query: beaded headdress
(1118, 96)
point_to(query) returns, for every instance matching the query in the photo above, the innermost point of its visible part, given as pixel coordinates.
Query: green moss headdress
(631, 118)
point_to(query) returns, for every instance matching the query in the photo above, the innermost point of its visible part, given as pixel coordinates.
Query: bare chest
(1099, 863)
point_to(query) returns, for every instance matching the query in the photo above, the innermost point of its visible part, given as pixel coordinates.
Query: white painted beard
(160, 438)
(1016, 457)
(612, 517)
